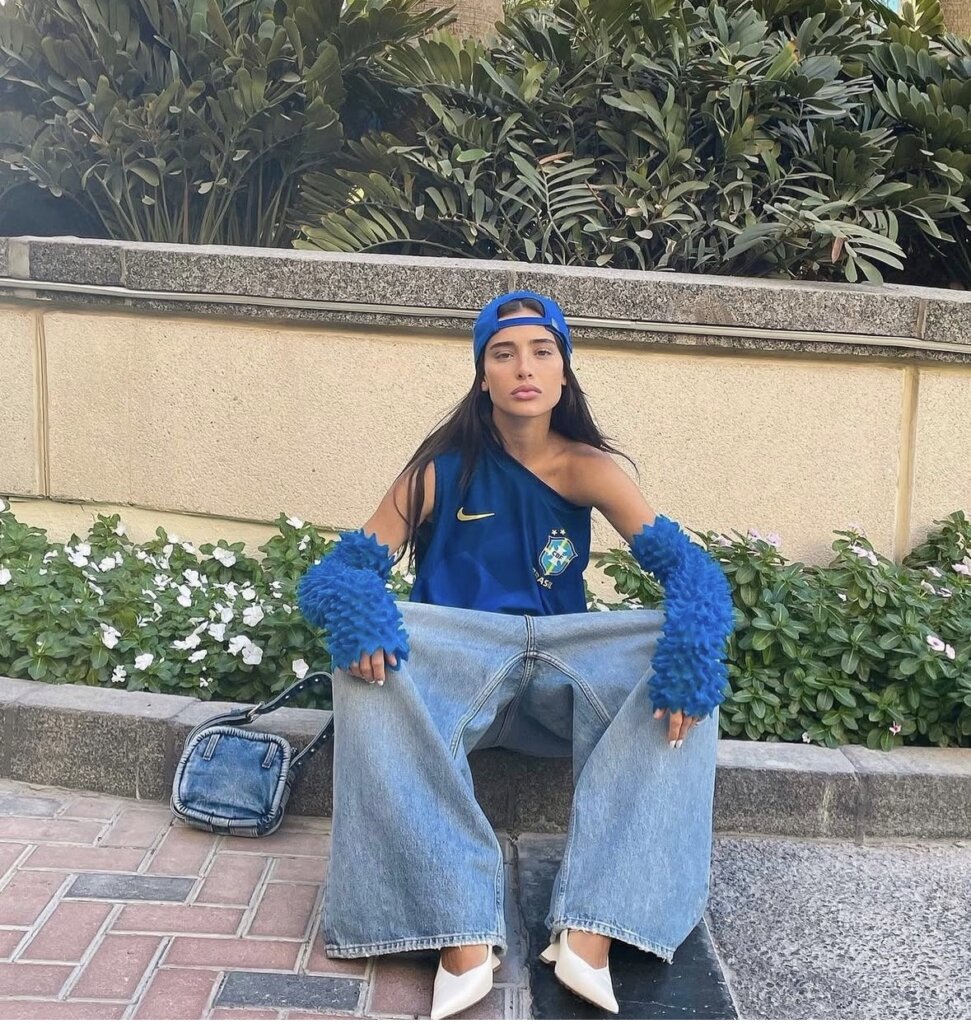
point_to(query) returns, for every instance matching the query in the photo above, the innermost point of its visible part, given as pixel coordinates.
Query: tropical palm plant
(191, 120)
(798, 138)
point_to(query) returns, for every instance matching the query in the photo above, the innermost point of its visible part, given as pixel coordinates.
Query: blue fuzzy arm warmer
(344, 593)
(690, 673)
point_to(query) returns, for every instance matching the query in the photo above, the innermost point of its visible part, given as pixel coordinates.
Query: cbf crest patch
(557, 554)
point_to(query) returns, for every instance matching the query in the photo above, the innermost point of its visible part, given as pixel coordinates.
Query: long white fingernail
(671, 743)
(678, 744)
(380, 682)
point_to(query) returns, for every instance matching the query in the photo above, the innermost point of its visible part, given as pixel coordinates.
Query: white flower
(863, 552)
(168, 549)
(150, 594)
(252, 654)
(143, 661)
(203, 681)
(964, 566)
(85, 549)
(141, 620)
(189, 548)
(93, 586)
(928, 587)
(76, 558)
(226, 615)
(109, 635)
(192, 640)
(119, 675)
(50, 554)
(253, 615)
(297, 524)
(949, 651)
(856, 528)
(806, 738)
(231, 590)
(223, 555)
(774, 539)
(895, 728)
(841, 595)
(106, 564)
(935, 642)
(197, 656)
(300, 668)
(218, 631)
(287, 609)
(304, 543)
(157, 608)
(945, 592)
(43, 572)
(121, 529)
(247, 593)
(191, 577)
(754, 534)
(161, 580)
(936, 573)
(185, 596)
(5, 577)
(237, 643)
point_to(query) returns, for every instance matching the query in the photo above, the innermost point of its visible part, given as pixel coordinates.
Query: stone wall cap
(431, 293)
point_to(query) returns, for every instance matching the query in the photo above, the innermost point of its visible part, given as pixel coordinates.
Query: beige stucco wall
(942, 449)
(227, 422)
(19, 401)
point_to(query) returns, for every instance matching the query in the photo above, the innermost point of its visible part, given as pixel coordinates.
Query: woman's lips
(525, 394)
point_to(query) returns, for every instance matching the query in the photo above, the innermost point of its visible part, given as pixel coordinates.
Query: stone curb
(128, 744)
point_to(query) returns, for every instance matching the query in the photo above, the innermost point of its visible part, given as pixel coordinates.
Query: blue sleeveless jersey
(510, 544)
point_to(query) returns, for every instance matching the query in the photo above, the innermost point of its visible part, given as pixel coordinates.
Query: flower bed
(863, 650)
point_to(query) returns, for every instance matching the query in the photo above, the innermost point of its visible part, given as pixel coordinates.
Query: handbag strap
(244, 716)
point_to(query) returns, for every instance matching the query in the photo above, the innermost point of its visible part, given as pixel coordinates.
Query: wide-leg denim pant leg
(637, 859)
(415, 864)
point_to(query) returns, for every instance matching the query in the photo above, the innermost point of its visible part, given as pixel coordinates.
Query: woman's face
(520, 356)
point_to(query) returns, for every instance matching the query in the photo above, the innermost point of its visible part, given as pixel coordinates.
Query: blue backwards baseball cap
(488, 323)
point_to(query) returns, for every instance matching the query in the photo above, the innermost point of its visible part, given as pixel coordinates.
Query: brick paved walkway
(109, 909)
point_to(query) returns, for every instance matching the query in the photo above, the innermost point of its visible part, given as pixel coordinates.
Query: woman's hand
(679, 725)
(371, 667)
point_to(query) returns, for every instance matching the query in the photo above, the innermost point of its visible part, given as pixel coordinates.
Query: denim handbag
(236, 782)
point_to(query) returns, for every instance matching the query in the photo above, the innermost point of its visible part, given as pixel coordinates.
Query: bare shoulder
(598, 480)
(586, 464)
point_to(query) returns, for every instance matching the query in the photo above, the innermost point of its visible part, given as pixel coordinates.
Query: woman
(496, 648)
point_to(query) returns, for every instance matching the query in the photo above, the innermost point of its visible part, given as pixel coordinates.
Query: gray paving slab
(839, 930)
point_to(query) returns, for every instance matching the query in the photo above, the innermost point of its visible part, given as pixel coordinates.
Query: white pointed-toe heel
(455, 992)
(574, 973)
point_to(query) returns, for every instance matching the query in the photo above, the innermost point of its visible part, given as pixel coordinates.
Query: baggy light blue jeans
(415, 863)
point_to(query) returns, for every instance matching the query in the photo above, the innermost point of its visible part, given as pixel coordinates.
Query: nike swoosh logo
(464, 516)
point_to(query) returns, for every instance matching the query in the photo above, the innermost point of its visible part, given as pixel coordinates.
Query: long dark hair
(469, 429)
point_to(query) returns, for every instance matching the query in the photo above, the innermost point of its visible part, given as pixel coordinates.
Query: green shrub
(862, 650)
(108, 612)
(811, 139)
